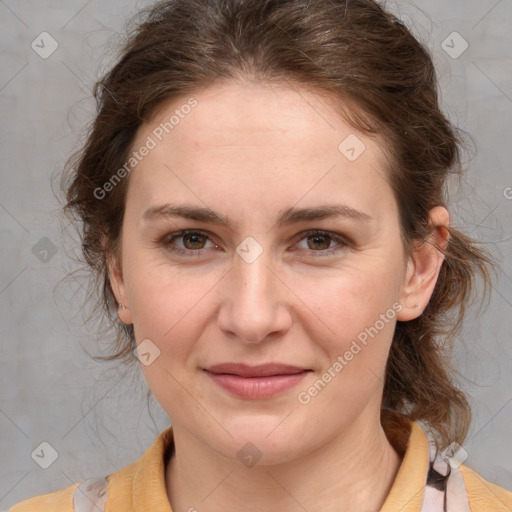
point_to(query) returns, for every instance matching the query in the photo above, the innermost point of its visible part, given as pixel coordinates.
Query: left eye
(318, 243)
(320, 240)
(193, 242)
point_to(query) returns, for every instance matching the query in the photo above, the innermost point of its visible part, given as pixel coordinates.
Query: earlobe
(424, 266)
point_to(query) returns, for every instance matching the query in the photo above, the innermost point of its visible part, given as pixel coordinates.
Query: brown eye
(188, 243)
(194, 240)
(319, 241)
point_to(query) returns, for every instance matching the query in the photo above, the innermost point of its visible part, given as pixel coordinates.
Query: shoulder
(484, 496)
(118, 488)
(88, 496)
(445, 480)
(59, 501)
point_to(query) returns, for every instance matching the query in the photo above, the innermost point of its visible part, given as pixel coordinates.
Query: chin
(260, 439)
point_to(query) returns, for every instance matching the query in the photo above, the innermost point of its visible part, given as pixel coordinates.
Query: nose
(254, 306)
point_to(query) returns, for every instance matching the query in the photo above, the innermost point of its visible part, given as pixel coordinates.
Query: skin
(294, 304)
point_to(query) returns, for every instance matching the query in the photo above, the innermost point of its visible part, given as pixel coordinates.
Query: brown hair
(351, 50)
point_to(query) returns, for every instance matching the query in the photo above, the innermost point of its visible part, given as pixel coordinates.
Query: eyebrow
(286, 217)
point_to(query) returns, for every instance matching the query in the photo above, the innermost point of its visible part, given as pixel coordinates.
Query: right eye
(193, 242)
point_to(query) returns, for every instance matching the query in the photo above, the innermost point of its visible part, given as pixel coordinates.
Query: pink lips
(260, 381)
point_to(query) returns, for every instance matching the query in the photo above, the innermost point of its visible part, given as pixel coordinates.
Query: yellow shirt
(140, 487)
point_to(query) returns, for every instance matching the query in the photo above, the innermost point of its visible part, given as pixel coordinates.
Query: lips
(262, 370)
(256, 382)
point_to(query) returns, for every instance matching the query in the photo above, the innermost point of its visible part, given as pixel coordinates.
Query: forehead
(256, 137)
(249, 112)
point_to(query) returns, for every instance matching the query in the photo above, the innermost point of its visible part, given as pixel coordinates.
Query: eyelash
(167, 242)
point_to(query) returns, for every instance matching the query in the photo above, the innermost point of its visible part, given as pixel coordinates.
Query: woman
(262, 196)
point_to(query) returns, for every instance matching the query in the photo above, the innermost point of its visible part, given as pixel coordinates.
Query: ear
(117, 283)
(424, 265)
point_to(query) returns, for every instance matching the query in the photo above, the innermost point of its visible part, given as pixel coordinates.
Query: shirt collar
(406, 494)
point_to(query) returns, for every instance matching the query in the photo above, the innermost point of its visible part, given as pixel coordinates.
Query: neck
(354, 471)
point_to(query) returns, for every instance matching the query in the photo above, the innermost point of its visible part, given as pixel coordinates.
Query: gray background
(95, 415)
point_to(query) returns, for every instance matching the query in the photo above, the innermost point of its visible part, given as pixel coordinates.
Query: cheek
(161, 293)
(352, 298)
(360, 319)
(165, 302)
(172, 307)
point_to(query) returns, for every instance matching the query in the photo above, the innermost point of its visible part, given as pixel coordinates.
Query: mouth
(262, 381)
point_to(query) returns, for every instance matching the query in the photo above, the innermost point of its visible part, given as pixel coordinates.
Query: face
(253, 235)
